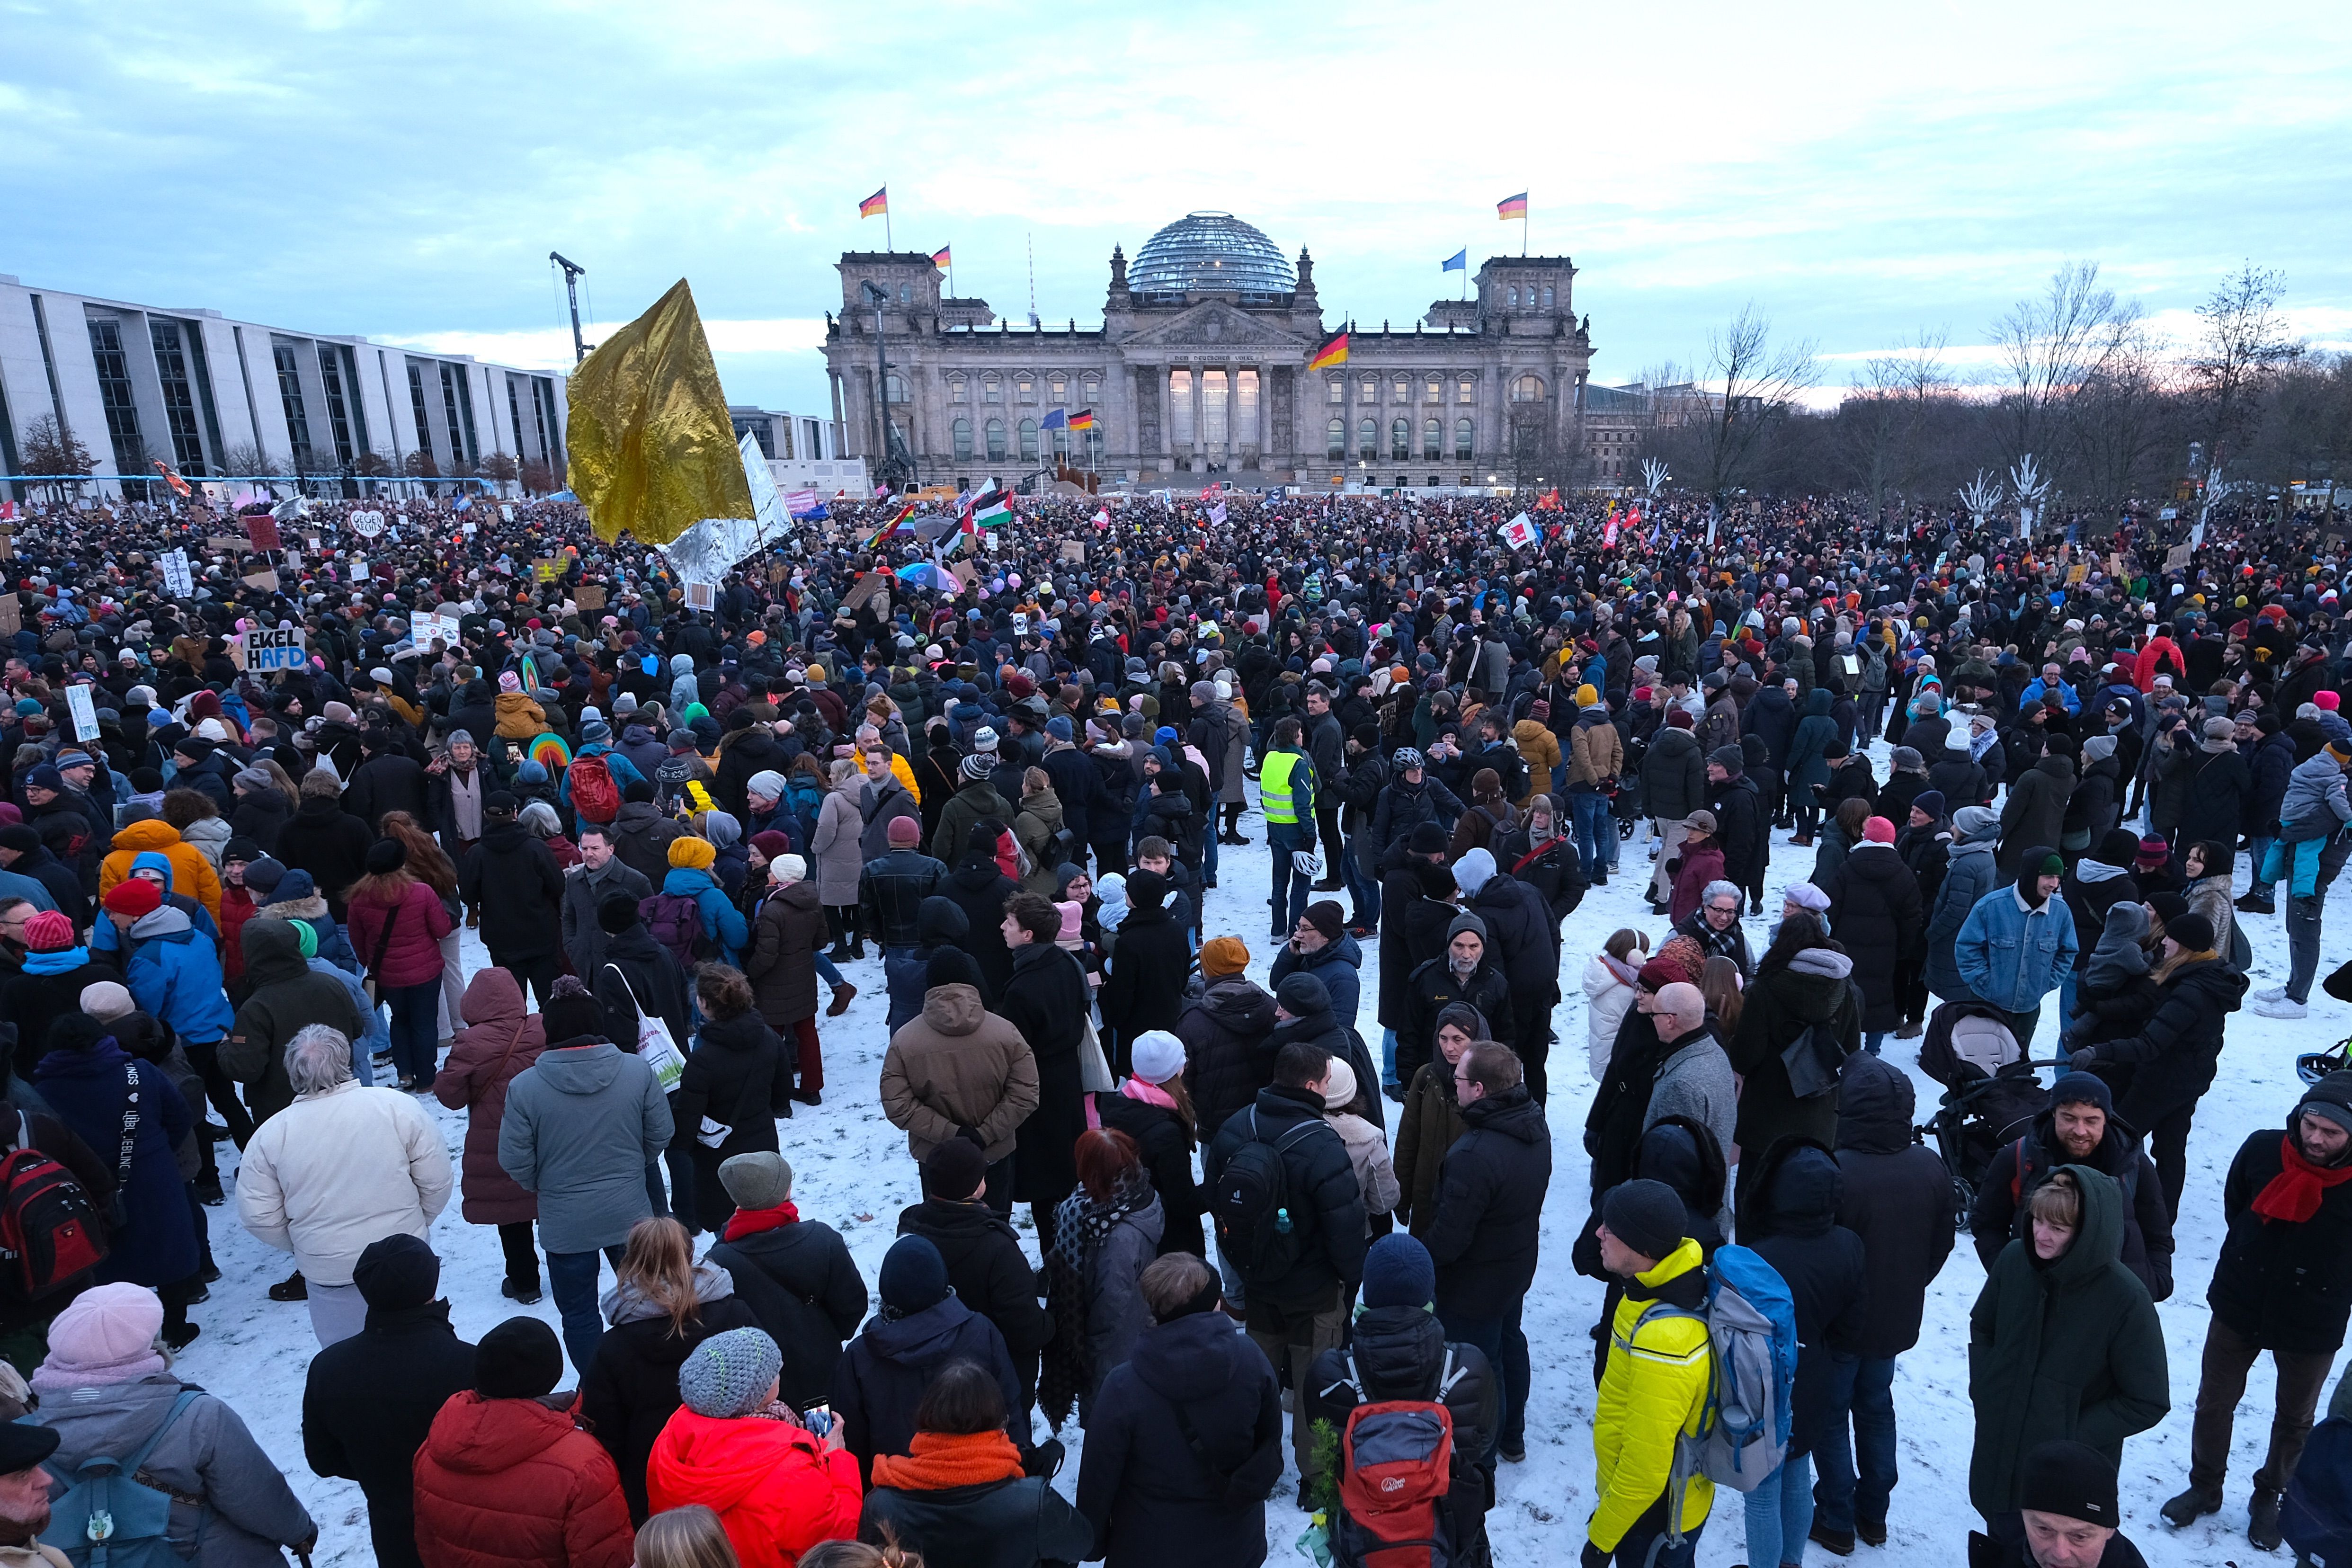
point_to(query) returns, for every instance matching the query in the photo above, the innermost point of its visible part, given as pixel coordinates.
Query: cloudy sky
(1862, 172)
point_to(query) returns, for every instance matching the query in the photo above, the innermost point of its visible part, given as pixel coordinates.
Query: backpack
(2317, 1515)
(594, 796)
(676, 921)
(1751, 1329)
(1251, 1204)
(49, 1231)
(1396, 1468)
(108, 1519)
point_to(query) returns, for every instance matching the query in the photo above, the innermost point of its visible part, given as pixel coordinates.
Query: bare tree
(51, 449)
(2049, 346)
(500, 468)
(538, 477)
(1758, 379)
(2123, 416)
(2244, 340)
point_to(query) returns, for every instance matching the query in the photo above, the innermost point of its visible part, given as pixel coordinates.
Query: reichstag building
(1200, 371)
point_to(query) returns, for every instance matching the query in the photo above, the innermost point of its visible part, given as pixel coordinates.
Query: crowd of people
(596, 876)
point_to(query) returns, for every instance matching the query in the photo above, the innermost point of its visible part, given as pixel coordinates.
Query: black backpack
(1255, 1222)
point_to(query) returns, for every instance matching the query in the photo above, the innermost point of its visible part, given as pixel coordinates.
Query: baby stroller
(1991, 1093)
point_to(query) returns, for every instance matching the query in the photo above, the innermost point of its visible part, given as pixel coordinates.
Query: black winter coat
(989, 1274)
(739, 1075)
(979, 889)
(388, 781)
(1323, 1190)
(2145, 1244)
(261, 815)
(1789, 1218)
(1046, 999)
(2219, 792)
(1155, 1501)
(1401, 1353)
(1557, 874)
(1167, 1148)
(1739, 831)
(882, 1375)
(367, 1405)
(1874, 909)
(1522, 938)
(1227, 1032)
(330, 844)
(1020, 1522)
(1431, 989)
(1414, 913)
(1674, 776)
(1897, 1198)
(630, 1391)
(2284, 1286)
(800, 1283)
(2173, 1056)
(649, 978)
(1144, 988)
(1490, 1195)
(512, 878)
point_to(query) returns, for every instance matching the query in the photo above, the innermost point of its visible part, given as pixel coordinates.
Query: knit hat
(2071, 1480)
(1058, 726)
(772, 845)
(757, 1181)
(1930, 801)
(106, 1335)
(1303, 995)
(730, 1373)
(767, 783)
(1587, 695)
(1223, 955)
(2118, 846)
(396, 1271)
(22, 1446)
(1464, 922)
(1338, 1085)
(978, 766)
(1678, 719)
(1326, 916)
(616, 913)
(1878, 830)
(955, 1170)
(984, 739)
(1474, 872)
(2167, 907)
(1157, 1055)
(1646, 1215)
(1730, 759)
(262, 877)
(52, 930)
(106, 1000)
(133, 896)
(904, 833)
(2082, 1089)
(1659, 973)
(386, 855)
(569, 1015)
(2193, 930)
(1958, 739)
(1907, 760)
(914, 1275)
(695, 853)
(1397, 1272)
(2330, 1097)
(1427, 838)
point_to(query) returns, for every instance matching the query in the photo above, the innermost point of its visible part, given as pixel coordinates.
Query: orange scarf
(941, 1460)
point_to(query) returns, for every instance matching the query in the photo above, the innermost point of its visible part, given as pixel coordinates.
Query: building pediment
(1213, 326)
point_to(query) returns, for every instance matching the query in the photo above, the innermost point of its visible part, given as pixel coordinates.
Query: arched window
(992, 390)
(1400, 440)
(956, 389)
(1369, 391)
(1029, 439)
(1400, 391)
(1467, 390)
(906, 293)
(963, 429)
(895, 388)
(1434, 391)
(1368, 438)
(1461, 439)
(1335, 440)
(1515, 299)
(1527, 389)
(1336, 391)
(996, 439)
(1547, 296)
(1024, 388)
(1433, 441)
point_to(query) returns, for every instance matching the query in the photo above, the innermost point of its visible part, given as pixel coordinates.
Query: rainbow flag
(1084, 419)
(940, 258)
(889, 526)
(878, 203)
(1334, 353)
(1510, 207)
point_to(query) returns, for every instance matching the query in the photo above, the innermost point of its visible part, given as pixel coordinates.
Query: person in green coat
(2064, 1341)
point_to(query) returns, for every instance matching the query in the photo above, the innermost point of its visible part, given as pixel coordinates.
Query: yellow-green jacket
(1652, 1391)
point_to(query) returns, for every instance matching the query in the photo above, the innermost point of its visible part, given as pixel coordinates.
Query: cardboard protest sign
(590, 596)
(273, 647)
(701, 595)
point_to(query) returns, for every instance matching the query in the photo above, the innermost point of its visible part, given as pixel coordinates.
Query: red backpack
(49, 1231)
(594, 796)
(1396, 1466)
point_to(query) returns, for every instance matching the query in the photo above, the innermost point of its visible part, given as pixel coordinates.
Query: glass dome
(1203, 251)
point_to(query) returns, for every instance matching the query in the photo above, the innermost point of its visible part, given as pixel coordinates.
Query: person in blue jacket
(175, 971)
(690, 860)
(2018, 941)
(596, 740)
(157, 868)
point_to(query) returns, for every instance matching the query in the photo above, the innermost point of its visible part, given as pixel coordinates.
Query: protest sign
(273, 647)
(85, 712)
(177, 579)
(263, 531)
(701, 595)
(425, 630)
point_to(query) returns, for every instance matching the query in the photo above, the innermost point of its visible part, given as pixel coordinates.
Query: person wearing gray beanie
(731, 1374)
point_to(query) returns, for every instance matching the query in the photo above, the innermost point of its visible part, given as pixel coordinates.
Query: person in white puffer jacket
(1609, 990)
(342, 1166)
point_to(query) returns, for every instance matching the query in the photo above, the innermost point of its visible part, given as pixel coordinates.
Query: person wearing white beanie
(1154, 1107)
(1368, 1151)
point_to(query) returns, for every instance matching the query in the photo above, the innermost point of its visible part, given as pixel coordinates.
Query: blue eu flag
(1457, 262)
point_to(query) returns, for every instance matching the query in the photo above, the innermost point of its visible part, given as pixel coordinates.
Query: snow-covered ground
(852, 1171)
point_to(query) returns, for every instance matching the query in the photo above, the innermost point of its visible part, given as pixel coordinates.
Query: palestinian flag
(1334, 353)
(992, 510)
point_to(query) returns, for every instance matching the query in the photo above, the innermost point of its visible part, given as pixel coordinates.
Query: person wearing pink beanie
(108, 1390)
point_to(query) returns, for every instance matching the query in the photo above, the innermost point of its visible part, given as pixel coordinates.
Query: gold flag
(652, 451)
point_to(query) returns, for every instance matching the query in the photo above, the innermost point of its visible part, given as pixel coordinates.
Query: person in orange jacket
(192, 871)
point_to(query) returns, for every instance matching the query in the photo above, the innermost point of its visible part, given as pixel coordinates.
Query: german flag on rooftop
(1334, 353)
(875, 204)
(1512, 207)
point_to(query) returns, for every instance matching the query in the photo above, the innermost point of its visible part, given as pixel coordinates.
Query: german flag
(942, 258)
(1334, 353)
(1510, 207)
(876, 204)
(1084, 419)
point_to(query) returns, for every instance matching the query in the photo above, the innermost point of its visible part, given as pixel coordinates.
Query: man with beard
(2079, 1128)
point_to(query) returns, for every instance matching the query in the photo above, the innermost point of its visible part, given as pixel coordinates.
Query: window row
(993, 435)
(1402, 388)
(1368, 440)
(1515, 298)
(1057, 388)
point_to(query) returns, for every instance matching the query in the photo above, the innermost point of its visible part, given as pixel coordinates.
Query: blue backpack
(1751, 1328)
(106, 1517)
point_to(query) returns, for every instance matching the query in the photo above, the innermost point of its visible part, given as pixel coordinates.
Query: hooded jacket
(1790, 1219)
(1322, 1183)
(1485, 1238)
(581, 1124)
(174, 973)
(1997, 1215)
(287, 995)
(2035, 812)
(2174, 1055)
(1969, 873)
(776, 1489)
(1874, 909)
(1227, 1032)
(800, 1283)
(1784, 1001)
(408, 935)
(1401, 1353)
(499, 1039)
(957, 1065)
(368, 1405)
(882, 1375)
(510, 877)
(630, 1389)
(328, 842)
(192, 873)
(2068, 1349)
(1653, 1392)
(641, 839)
(989, 1273)
(1897, 1197)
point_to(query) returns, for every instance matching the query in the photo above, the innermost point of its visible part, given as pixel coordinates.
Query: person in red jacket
(506, 1478)
(397, 923)
(777, 1488)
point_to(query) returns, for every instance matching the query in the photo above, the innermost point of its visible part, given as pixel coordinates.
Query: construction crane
(572, 273)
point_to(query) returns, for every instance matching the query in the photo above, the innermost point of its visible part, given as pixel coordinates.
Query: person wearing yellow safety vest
(1653, 1387)
(1286, 792)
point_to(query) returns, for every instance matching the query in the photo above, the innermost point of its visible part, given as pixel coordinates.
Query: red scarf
(751, 1222)
(941, 1460)
(2294, 1193)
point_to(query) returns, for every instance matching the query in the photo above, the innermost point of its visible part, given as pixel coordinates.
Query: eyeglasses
(1723, 908)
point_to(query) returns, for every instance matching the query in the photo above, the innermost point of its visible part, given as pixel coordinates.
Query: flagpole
(1523, 228)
